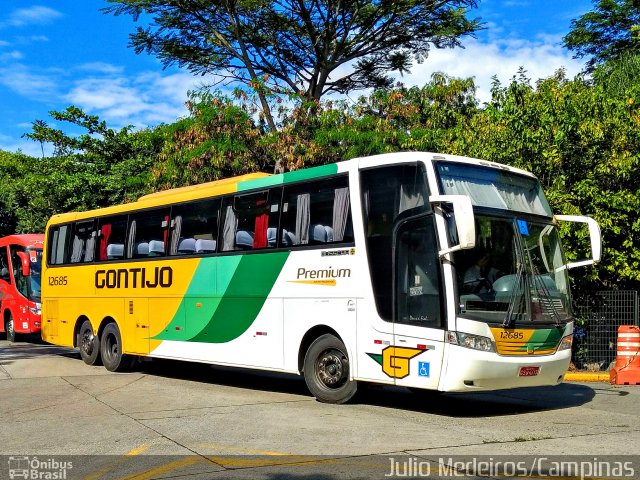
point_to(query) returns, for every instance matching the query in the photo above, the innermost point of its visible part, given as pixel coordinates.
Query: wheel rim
(112, 347)
(332, 369)
(10, 328)
(87, 341)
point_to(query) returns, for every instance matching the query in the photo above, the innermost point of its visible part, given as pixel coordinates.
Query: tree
(605, 33)
(294, 46)
(117, 160)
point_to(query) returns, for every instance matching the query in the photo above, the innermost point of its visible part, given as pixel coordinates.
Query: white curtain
(90, 248)
(229, 230)
(175, 235)
(132, 239)
(340, 213)
(303, 218)
(77, 249)
(410, 197)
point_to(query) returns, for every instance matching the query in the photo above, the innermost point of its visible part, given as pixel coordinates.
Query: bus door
(418, 327)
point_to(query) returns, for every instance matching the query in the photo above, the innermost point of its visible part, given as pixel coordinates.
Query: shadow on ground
(461, 405)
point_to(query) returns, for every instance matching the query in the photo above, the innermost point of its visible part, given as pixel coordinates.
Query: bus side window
(58, 239)
(16, 261)
(112, 235)
(195, 227)
(4, 265)
(251, 220)
(317, 212)
(83, 242)
(148, 234)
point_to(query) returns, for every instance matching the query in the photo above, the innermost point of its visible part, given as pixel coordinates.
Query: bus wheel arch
(327, 369)
(86, 341)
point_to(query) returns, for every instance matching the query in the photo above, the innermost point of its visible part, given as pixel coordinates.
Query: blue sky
(55, 54)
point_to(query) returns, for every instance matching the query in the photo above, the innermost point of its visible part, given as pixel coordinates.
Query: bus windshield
(514, 274)
(33, 283)
(493, 188)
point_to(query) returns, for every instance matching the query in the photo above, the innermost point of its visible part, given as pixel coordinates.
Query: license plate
(528, 371)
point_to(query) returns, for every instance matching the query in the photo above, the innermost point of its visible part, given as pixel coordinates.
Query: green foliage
(605, 33)
(218, 140)
(98, 168)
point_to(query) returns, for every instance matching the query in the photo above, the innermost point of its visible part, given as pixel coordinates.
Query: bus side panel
(320, 289)
(68, 294)
(302, 314)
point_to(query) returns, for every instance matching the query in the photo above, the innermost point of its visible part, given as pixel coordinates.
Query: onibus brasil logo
(34, 468)
(395, 360)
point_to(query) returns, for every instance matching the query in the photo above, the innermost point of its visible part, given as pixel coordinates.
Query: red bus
(20, 267)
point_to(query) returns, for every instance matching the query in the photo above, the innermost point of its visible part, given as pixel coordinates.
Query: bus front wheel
(88, 344)
(9, 327)
(327, 372)
(111, 349)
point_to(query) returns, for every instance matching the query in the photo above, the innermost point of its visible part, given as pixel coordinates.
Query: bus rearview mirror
(594, 235)
(463, 218)
(26, 265)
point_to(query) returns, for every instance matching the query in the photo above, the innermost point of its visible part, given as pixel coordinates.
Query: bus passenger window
(83, 242)
(317, 212)
(112, 234)
(250, 221)
(21, 280)
(57, 244)
(148, 234)
(195, 228)
(4, 265)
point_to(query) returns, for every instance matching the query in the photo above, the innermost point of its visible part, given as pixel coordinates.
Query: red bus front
(20, 267)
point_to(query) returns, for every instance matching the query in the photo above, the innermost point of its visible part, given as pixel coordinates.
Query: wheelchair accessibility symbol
(423, 369)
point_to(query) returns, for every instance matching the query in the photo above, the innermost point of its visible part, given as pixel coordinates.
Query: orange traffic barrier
(627, 368)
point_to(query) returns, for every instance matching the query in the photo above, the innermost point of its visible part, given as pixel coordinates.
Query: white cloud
(13, 55)
(540, 58)
(147, 99)
(36, 15)
(21, 80)
(100, 67)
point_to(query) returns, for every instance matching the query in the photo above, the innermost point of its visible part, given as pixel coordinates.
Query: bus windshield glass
(515, 274)
(493, 188)
(33, 284)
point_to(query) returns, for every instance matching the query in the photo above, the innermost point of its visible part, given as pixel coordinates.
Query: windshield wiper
(516, 295)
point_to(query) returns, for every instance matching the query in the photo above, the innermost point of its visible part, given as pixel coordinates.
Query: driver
(479, 277)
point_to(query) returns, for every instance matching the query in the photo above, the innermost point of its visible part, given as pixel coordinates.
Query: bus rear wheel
(9, 327)
(88, 344)
(111, 349)
(327, 372)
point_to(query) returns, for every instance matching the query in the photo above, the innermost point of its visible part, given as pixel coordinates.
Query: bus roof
(29, 240)
(258, 180)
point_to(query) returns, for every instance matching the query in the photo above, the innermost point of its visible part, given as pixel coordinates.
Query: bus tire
(327, 371)
(10, 328)
(111, 349)
(88, 344)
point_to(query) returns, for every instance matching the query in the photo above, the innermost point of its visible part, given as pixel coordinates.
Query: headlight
(475, 342)
(565, 343)
(34, 310)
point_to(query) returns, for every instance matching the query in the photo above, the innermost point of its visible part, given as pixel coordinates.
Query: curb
(586, 377)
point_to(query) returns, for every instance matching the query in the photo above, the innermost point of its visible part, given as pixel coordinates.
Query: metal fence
(598, 316)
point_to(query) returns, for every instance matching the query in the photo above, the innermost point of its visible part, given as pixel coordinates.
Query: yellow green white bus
(351, 272)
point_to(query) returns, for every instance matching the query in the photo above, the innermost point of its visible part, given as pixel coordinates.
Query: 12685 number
(57, 281)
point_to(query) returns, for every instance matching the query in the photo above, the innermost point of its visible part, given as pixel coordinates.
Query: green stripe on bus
(544, 339)
(243, 285)
(295, 176)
